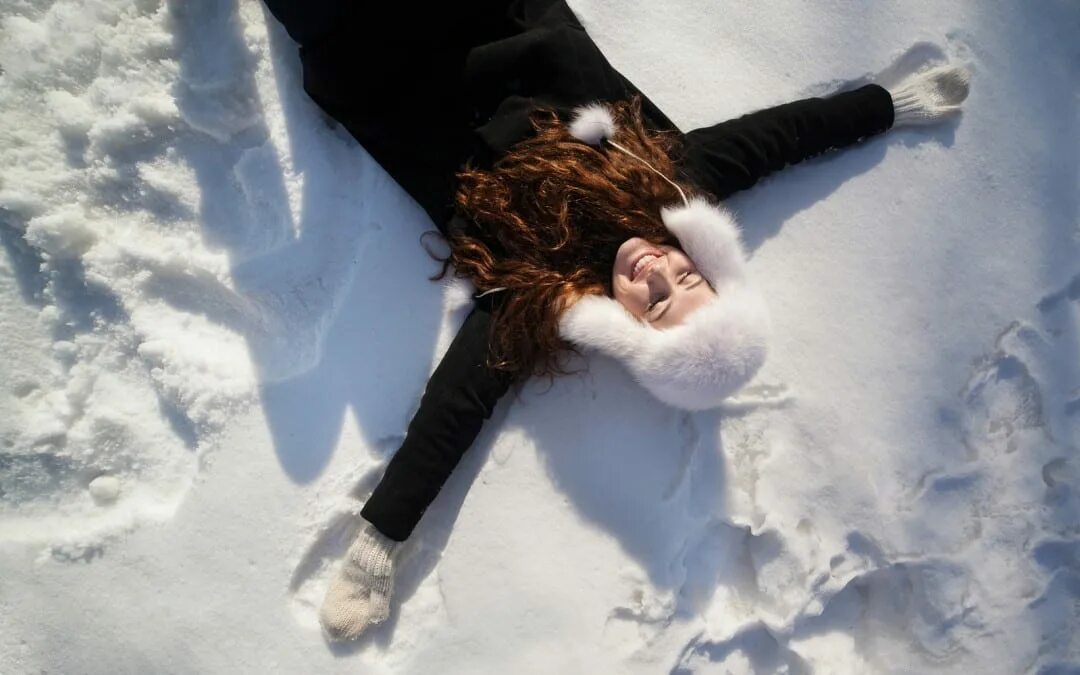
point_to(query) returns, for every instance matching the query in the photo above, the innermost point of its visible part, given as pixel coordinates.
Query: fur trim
(592, 123)
(598, 322)
(693, 366)
(715, 351)
(709, 235)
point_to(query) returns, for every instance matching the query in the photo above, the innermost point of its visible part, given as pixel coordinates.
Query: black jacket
(426, 92)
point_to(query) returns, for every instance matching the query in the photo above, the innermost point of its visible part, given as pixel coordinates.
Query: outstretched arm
(734, 155)
(460, 395)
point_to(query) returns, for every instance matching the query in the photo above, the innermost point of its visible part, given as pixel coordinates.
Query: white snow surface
(216, 323)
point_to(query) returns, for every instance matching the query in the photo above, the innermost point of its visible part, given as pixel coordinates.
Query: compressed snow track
(217, 322)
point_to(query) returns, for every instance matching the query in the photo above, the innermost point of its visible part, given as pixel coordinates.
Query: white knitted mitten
(926, 97)
(359, 596)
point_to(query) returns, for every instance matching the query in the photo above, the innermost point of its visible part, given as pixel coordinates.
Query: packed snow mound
(217, 321)
(141, 172)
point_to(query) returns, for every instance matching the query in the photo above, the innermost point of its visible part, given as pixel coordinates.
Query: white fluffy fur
(592, 123)
(718, 349)
(709, 235)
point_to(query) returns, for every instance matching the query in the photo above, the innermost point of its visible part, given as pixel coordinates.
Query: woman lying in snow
(582, 215)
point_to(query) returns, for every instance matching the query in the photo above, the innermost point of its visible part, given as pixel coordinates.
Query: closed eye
(691, 279)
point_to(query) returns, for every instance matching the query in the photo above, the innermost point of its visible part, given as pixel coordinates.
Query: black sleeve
(460, 395)
(736, 154)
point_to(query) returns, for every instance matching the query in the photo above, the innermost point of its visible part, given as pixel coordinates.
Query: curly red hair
(546, 221)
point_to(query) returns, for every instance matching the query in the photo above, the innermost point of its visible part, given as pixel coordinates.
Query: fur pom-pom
(592, 123)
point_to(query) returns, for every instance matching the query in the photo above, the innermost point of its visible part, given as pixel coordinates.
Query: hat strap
(673, 184)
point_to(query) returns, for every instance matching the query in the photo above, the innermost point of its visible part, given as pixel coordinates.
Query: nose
(659, 269)
(659, 275)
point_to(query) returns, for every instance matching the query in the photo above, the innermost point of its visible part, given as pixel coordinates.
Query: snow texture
(216, 322)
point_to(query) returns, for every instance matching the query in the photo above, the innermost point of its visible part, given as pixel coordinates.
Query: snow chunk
(74, 116)
(63, 233)
(104, 489)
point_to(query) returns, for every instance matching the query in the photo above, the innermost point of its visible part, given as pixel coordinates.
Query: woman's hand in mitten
(929, 96)
(359, 596)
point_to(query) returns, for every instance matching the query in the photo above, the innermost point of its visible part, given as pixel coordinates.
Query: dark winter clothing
(425, 91)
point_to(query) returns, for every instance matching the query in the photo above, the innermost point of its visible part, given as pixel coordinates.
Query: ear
(708, 235)
(601, 323)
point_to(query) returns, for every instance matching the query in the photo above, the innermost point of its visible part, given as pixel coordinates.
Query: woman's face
(656, 283)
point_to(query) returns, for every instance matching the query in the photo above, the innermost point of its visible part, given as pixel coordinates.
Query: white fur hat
(718, 348)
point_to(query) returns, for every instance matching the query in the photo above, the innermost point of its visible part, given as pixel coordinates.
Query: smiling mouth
(643, 262)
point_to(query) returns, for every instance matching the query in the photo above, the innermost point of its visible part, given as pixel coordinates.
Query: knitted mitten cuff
(926, 97)
(359, 596)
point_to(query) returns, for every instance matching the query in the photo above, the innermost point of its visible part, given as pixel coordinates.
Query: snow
(217, 319)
